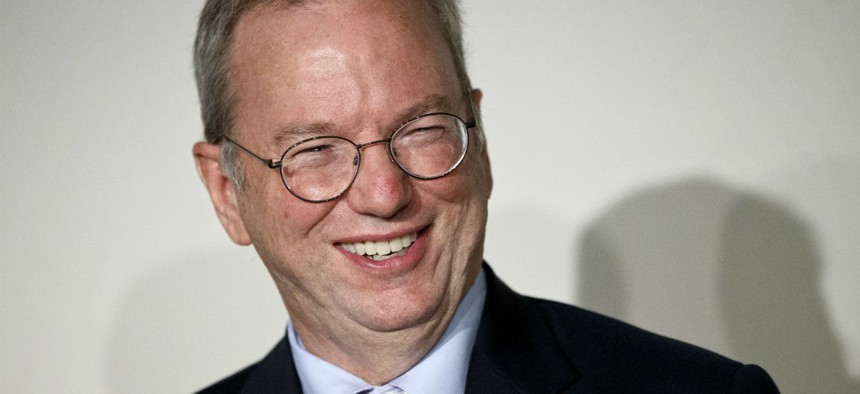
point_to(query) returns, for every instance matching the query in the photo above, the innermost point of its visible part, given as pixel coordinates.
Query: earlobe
(222, 190)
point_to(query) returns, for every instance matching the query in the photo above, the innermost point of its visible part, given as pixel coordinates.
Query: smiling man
(343, 142)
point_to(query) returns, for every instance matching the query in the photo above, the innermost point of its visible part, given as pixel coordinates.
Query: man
(344, 143)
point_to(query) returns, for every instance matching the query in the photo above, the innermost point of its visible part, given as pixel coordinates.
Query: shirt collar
(442, 370)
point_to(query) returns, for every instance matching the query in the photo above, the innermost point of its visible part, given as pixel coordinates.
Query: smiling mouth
(381, 250)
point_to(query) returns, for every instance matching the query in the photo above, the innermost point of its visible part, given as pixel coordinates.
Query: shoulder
(230, 384)
(522, 337)
(605, 349)
(275, 373)
(582, 332)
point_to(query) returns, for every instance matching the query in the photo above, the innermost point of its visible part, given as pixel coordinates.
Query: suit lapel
(276, 373)
(516, 350)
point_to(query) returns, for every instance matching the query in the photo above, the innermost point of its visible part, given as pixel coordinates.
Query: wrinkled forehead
(407, 27)
(385, 16)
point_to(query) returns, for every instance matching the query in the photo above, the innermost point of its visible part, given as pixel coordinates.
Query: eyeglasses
(321, 169)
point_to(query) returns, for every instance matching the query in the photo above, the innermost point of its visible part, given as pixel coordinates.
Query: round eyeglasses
(321, 169)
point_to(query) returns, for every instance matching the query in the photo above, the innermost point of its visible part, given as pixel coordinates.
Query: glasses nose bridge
(359, 157)
(362, 146)
(359, 147)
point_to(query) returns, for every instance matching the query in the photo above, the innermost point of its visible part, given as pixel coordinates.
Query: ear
(221, 190)
(476, 96)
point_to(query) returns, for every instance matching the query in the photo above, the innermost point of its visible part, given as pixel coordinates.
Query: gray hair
(212, 66)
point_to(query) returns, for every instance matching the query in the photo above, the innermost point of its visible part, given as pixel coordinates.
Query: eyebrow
(298, 131)
(429, 104)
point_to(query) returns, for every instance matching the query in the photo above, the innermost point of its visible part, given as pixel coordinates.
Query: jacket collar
(276, 373)
(516, 351)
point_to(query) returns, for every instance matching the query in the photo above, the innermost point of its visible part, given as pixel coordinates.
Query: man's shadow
(722, 268)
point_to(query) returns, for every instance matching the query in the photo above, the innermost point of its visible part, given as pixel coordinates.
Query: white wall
(692, 167)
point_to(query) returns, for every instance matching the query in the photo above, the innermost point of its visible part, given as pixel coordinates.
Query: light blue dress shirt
(442, 370)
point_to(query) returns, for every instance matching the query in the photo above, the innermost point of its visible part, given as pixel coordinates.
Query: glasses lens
(430, 146)
(319, 169)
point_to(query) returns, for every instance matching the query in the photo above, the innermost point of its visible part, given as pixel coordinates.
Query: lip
(382, 236)
(394, 264)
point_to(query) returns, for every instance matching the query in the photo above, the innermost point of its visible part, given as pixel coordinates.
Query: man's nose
(381, 188)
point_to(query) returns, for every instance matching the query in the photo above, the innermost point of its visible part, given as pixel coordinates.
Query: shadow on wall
(721, 268)
(193, 321)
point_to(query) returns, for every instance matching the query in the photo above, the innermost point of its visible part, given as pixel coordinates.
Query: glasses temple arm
(268, 162)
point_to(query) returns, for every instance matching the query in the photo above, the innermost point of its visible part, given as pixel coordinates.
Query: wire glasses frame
(426, 147)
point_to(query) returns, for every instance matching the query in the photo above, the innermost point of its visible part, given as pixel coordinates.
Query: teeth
(381, 250)
(396, 244)
(370, 247)
(386, 257)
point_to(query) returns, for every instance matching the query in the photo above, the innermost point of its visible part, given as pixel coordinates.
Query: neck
(375, 357)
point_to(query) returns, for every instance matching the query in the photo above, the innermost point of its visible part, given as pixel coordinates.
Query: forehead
(286, 31)
(359, 56)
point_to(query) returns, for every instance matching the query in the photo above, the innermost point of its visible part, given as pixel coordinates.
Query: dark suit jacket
(529, 346)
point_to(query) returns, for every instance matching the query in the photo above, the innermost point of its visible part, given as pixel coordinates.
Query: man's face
(356, 69)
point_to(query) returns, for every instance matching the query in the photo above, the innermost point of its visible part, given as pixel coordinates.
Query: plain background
(692, 167)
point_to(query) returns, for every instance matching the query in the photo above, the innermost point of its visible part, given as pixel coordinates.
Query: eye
(317, 152)
(320, 148)
(428, 129)
(424, 130)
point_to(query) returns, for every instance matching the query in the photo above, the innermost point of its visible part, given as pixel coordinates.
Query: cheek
(470, 181)
(298, 223)
(273, 215)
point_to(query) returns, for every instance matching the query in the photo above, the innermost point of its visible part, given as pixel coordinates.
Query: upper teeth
(381, 248)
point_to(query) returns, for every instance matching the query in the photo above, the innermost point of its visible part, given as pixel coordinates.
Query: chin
(401, 311)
